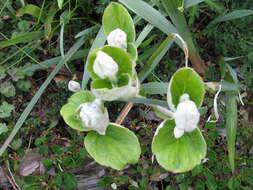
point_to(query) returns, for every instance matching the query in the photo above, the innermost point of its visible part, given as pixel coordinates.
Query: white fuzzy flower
(93, 116)
(74, 86)
(117, 38)
(104, 66)
(186, 116)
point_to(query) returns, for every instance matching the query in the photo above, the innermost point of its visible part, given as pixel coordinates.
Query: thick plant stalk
(231, 126)
(179, 21)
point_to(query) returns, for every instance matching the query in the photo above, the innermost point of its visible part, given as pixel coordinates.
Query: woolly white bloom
(94, 116)
(186, 116)
(117, 38)
(104, 66)
(74, 86)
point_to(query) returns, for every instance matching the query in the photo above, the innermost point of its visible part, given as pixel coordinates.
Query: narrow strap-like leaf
(150, 14)
(231, 126)
(232, 15)
(190, 3)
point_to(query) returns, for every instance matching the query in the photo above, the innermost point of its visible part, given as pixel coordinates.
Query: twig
(12, 179)
(124, 112)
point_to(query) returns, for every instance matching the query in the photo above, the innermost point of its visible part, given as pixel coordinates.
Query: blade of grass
(98, 42)
(190, 3)
(27, 37)
(150, 14)
(144, 33)
(29, 9)
(26, 53)
(45, 64)
(232, 15)
(34, 100)
(87, 31)
(156, 58)
(155, 87)
(231, 126)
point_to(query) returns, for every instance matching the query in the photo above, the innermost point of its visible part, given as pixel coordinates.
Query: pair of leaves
(183, 154)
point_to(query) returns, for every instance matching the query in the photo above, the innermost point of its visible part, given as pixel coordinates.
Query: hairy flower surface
(117, 38)
(74, 86)
(104, 66)
(94, 116)
(186, 116)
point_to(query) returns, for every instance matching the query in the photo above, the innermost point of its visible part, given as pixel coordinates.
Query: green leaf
(29, 9)
(60, 3)
(24, 85)
(150, 14)
(116, 16)
(231, 126)
(45, 64)
(3, 128)
(185, 80)
(7, 89)
(123, 60)
(49, 19)
(233, 15)
(155, 87)
(178, 155)
(87, 32)
(16, 144)
(144, 33)
(69, 181)
(27, 37)
(190, 3)
(69, 111)
(116, 149)
(5, 110)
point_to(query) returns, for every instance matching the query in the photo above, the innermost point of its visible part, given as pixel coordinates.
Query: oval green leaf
(69, 110)
(122, 58)
(117, 148)
(185, 80)
(117, 16)
(178, 155)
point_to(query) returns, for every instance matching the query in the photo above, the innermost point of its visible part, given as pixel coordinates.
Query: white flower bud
(117, 38)
(74, 86)
(93, 116)
(104, 66)
(186, 116)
